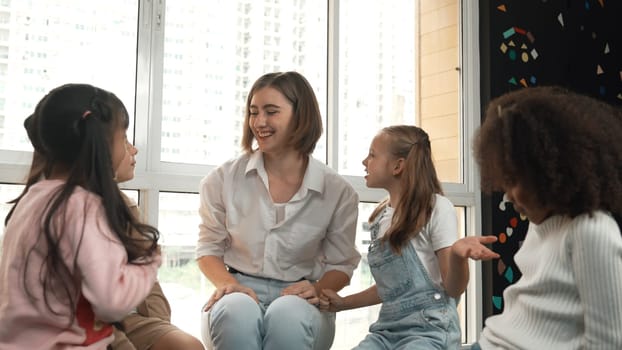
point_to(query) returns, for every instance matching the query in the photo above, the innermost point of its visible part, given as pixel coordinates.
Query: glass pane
(211, 59)
(376, 74)
(132, 194)
(353, 325)
(182, 281)
(46, 43)
(399, 64)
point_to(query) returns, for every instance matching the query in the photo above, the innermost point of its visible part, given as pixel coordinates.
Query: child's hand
(473, 247)
(330, 301)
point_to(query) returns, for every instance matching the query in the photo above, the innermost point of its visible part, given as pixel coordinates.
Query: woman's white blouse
(239, 222)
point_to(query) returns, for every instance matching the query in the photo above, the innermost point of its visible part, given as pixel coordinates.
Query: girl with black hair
(69, 266)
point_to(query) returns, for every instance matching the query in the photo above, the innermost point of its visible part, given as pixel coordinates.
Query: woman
(277, 227)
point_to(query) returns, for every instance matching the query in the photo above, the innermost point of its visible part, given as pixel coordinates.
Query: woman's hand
(303, 289)
(228, 289)
(330, 301)
(473, 247)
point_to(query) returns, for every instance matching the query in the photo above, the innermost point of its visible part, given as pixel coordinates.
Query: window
(217, 98)
(44, 49)
(184, 70)
(376, 70)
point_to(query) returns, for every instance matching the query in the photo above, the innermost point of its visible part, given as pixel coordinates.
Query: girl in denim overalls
(419, 268)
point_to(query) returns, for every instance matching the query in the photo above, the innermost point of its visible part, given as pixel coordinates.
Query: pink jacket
(109, 287)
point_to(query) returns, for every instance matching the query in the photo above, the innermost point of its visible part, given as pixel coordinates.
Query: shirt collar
(314, 175)
(255, 162)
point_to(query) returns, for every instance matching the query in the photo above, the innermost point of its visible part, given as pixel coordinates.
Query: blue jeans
(236, 321)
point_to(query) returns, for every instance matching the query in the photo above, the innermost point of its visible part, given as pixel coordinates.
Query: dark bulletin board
(572, 43)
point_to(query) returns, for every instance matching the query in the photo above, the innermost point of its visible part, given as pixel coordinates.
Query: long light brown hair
(419, 184)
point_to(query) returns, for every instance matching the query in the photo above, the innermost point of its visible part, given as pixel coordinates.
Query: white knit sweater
(570, 294)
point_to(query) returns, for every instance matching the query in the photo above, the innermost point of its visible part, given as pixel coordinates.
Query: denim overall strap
(402, 281)
(412, 305)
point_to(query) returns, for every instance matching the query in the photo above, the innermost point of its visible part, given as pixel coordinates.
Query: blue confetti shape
(587, 5)
(497, 302)
(509, 274)
(532, 80)
(512, 55)
(508, 33)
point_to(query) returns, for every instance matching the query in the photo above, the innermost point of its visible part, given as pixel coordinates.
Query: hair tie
(86, 114)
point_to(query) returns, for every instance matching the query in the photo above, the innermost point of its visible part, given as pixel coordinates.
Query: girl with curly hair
(557, 156)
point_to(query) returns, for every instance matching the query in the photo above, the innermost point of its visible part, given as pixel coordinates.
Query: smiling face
(381, 166)
(125, 170)
(270, 114)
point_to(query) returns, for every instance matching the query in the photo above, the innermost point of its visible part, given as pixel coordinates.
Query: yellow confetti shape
(503, 9)
(525, 57)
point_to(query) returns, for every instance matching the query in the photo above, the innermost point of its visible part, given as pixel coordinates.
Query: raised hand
(474, 247)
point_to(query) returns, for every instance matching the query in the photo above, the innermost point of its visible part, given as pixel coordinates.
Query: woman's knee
(290, 311)
(232, 315)
(290, 306)
(237, 307)
(292, 319)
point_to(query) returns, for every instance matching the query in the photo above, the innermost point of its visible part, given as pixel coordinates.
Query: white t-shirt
(440, 232)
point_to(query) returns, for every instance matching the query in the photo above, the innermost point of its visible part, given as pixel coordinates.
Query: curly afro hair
(561, 145)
